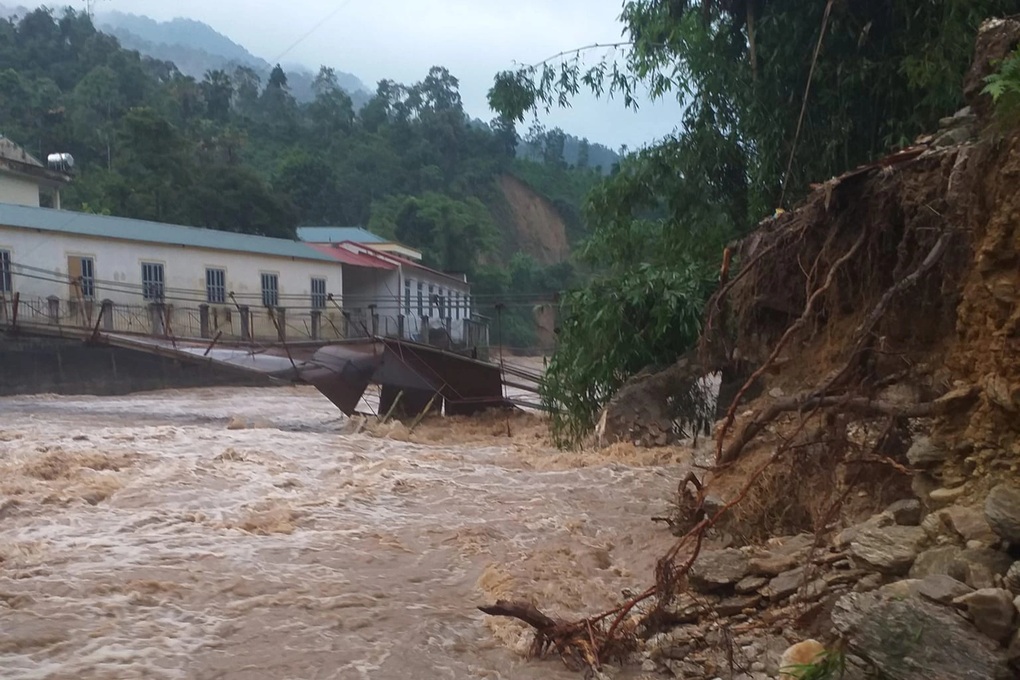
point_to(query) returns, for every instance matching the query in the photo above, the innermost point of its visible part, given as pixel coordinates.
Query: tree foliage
(886, 71)
(235, 150)
(1004, 88)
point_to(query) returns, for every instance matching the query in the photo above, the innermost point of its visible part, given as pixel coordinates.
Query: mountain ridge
(195, 47)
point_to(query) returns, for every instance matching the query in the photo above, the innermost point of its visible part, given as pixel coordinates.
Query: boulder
(1013, 578)
(732, 606)
(906, 512)
(793, 662)
(943, 589)
(935, 561)
(923, 453)
(891, 549)
(969, 524)
(911, 638)
(715, 569)
(750, 584)
(992, 611)
(944, 496)
(784, 584)
(978, 567)
(1002, 510)
(773, 565)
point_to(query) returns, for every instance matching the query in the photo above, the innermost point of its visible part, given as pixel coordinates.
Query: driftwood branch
(523, 611)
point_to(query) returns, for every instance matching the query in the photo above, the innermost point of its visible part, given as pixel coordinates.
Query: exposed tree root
(847, 394)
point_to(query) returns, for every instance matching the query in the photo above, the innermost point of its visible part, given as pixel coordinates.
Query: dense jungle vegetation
(751, 140)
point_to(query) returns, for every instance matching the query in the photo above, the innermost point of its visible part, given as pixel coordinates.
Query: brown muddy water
(249, 533)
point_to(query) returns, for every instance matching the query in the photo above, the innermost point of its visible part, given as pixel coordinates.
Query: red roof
(349, 257)
(411, 263)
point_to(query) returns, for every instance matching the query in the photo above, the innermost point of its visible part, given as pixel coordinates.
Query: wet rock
(1001, 393)
(944, 496)
(923, 452)
(1002, 510)
(1013, 578)
(735, 605)
(715, 569)
(906, 512)
(979, 567)
(750, 584)
(773, 565)
(793, 661)
(992, 611)
(843, 577)
(868, 583)
(943, 589)
(954, 136)
(911, 638)
(1013, 653)
(784, 585)
(969, 524)
(712, 505)
(891, 549)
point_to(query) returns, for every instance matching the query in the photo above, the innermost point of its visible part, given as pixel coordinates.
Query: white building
(64, 264)
(70, 268)
(403, 296)
(26, 181)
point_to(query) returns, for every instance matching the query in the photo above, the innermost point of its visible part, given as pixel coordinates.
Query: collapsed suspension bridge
(414, 378)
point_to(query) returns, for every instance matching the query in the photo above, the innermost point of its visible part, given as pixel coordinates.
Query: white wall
(118, 269)
(444, 286)
(364, 286)
(18, 190)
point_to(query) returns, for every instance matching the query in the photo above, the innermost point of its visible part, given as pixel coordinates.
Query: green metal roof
(337, 235)
(102, 226)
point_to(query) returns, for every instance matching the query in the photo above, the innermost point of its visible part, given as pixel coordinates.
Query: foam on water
(142, 538)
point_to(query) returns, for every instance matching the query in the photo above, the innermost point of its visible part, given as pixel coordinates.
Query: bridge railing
(231, 321)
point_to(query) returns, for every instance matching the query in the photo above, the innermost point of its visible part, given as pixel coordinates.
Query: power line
(312, 30)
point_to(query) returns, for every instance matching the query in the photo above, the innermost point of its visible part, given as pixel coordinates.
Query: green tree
(218, 92)
(884, 72)
(332, 112)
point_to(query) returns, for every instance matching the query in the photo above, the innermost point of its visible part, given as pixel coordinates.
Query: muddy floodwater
(251, 533)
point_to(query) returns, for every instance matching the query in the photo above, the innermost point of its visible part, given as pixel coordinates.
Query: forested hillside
(195, 48)
(237, 152)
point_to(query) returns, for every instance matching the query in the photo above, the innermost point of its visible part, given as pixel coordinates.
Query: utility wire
(312, 30)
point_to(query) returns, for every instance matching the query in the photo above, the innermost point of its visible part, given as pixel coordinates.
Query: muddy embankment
(866, 486)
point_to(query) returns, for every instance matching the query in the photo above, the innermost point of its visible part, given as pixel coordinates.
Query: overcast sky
(401, 39)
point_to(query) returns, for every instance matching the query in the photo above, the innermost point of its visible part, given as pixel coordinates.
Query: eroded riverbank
(140, 537)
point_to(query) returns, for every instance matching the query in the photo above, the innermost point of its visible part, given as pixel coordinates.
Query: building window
(6, 283)
(432, 299)
(407, 297)
(456, 305)
(88, 278)
(270, 290)
(421, 308)
(318, 293)
(216, 286)
(152, 281)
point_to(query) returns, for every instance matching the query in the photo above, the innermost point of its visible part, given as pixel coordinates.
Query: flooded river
(251, 533)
